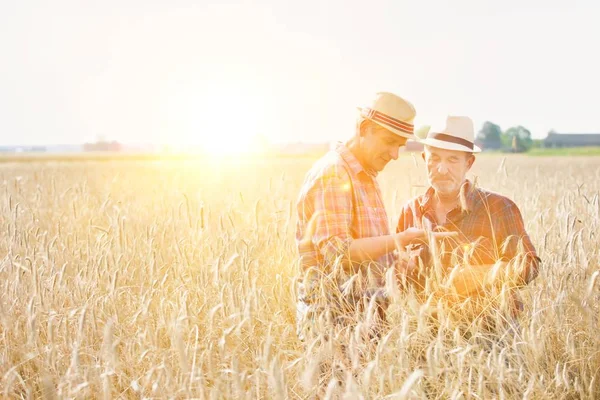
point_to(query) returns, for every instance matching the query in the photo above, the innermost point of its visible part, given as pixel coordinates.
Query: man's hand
(419, 236)
(410, 236)
(442, 235)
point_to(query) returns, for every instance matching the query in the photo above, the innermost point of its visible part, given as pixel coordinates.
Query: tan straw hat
(391, 112)
(458, 134)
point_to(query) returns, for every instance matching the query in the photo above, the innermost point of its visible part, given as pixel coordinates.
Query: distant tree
(507, 141)
(519, 137)
(490, 136)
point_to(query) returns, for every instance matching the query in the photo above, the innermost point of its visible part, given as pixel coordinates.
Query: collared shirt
(339, 201)
(490, 228)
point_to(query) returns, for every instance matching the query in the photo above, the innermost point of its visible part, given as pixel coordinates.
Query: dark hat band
(453, 139)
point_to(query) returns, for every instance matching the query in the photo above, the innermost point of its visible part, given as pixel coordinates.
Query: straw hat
(458, 134)
(391, 112)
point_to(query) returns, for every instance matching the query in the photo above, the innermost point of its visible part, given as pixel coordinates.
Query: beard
(444, 186)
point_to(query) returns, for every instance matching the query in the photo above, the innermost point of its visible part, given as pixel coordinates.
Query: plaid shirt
(339, 201)
(490, 228)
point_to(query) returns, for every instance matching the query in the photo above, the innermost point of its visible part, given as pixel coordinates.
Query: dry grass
(162, 279)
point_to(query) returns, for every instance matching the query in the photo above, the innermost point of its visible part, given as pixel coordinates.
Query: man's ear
(470, 160)
(363, 128)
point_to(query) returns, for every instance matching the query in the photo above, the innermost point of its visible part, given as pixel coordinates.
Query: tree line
(516, 139)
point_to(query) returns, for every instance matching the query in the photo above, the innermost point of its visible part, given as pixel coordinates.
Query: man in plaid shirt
(492, 246)
(343, 238)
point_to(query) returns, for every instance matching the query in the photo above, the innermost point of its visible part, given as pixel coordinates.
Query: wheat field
(174, 279)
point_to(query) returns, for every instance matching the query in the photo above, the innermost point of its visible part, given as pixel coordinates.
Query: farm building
(22, 149)
(102, 146)
(572, 139)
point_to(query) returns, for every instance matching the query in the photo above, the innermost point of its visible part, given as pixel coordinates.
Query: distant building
(22, 149)
(64, 148)
(572, 139)
(102, 146)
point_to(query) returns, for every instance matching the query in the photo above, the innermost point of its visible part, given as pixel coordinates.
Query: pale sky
(180, 71)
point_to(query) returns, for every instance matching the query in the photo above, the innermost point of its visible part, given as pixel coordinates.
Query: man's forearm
(356, 251)
(372, 248)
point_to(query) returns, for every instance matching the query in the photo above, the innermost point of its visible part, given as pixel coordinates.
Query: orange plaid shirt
(339, 201)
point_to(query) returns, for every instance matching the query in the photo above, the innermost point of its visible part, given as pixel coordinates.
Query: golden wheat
(174, 278)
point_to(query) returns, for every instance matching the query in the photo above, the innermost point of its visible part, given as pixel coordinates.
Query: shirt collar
(355, 166)
(467, 191)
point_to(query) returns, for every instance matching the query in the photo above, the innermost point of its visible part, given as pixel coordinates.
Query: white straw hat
(458, 134)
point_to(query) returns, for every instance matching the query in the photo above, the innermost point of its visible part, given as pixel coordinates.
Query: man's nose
(442, 169)
(394, 152)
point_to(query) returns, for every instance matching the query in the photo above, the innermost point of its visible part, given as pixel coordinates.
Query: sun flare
(225, 122)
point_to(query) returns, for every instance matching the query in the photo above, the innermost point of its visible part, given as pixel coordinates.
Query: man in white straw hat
(343, 238)
(492, 245)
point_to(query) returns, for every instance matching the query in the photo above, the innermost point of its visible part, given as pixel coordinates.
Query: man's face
(379, 146)
(447, 169)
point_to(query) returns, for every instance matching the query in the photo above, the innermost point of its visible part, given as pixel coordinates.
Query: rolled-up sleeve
(333, 215)
(515, 243)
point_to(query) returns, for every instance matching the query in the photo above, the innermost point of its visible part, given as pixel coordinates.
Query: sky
(191, 71)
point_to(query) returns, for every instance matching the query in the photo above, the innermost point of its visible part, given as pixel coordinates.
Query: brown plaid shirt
(490, 228)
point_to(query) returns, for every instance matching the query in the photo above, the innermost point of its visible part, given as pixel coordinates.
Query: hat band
(452, 139)
(387, 120)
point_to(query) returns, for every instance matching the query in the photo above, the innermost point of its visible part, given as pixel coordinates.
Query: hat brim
(441, 144)
(389, 128)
